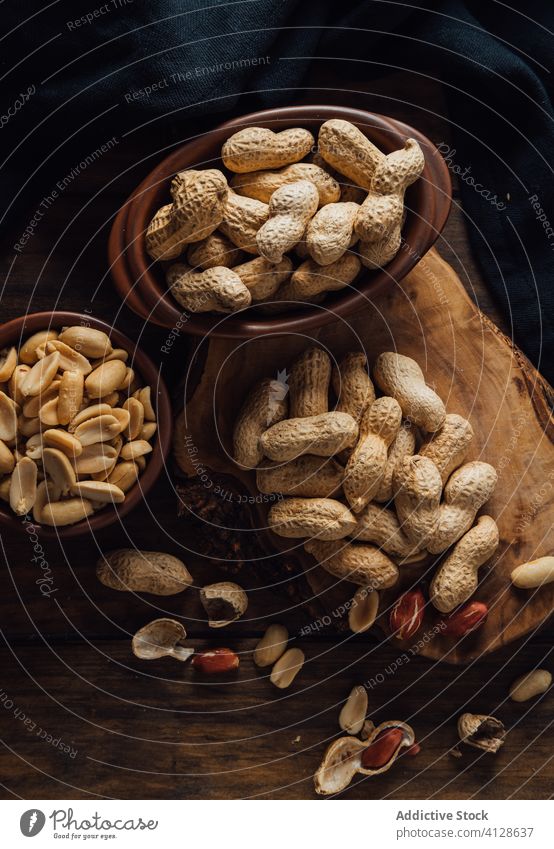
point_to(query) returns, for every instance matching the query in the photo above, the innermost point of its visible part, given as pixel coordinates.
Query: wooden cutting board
(478, 373)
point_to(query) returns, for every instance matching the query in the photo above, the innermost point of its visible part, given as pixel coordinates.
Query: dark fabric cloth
(84, 73)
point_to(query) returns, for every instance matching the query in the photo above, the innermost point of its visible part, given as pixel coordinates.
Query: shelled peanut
(350, 756)
(277, 200)
(76, 424)
(371, 484)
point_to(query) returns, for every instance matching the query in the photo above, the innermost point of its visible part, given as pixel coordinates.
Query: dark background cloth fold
(82, 80)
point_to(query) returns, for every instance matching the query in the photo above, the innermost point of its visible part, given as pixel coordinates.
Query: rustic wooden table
(80, 717)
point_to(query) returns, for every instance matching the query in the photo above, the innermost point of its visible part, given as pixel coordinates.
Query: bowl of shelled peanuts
(85, 423)
(279, 220)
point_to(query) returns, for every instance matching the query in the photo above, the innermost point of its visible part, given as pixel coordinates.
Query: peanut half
(362, 612)
(271, 646)
(353, 713)
(533, 574)
(287, 668)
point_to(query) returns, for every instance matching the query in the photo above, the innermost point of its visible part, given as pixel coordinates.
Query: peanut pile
(282, 230)
(75, 425)
(358, 491)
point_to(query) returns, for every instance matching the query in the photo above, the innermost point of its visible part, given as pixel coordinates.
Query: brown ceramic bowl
(14, 333)
(141, 281)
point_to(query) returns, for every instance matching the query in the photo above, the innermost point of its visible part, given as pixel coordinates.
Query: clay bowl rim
(13, 332)
(133, 272)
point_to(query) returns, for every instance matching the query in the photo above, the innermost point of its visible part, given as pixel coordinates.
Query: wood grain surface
(150, 731)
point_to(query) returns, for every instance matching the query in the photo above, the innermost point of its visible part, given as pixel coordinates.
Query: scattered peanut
(406, 616)
(129, 569)
(218, 661)
(533, 574)
(287, 668)
(272, 645)
(465, 620)
(363, 608)
(353, 713)
(374, 755)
